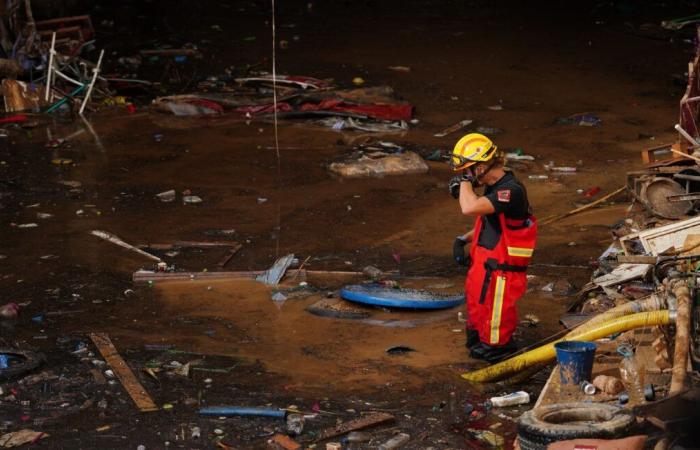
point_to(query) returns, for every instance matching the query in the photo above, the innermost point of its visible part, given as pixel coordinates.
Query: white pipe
(95, 72)
(686, 135)
(52, 51)
(66, 77)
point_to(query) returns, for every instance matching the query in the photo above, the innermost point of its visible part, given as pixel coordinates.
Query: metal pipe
(686, 135)
(682, 341)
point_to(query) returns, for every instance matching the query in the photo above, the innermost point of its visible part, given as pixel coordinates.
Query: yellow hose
(547, 353)
(650, 303)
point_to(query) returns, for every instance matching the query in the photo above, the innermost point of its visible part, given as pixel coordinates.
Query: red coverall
(497, 280)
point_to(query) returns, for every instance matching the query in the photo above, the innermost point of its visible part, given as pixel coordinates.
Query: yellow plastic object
(471, 149)
(547, 353)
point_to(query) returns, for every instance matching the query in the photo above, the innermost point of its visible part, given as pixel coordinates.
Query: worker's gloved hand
(458, 251)
(469, 177)
(454, 186)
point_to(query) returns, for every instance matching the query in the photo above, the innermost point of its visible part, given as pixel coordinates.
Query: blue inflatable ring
(378, 295)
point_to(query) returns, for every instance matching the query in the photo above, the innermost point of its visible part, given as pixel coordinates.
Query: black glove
(454, 186)
(458, 251)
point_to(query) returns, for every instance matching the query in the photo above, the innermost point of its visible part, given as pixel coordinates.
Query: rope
(274, 86)
(274, 113)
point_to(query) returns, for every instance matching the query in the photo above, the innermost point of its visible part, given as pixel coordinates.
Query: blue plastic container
(575, 360)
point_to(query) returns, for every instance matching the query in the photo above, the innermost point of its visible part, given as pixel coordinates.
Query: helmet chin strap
(488, 169)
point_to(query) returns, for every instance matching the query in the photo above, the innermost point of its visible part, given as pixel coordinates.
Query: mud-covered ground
(539, 62)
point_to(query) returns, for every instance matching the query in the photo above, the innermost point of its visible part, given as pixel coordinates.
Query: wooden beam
(230, 255)
(357, 424)
(127, 378)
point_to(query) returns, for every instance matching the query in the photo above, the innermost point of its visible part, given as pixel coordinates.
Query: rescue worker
(502, 243)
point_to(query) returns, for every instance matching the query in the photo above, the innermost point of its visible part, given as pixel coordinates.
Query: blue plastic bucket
(575, 360)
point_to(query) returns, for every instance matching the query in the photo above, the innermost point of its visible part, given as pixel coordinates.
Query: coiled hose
(589, 333)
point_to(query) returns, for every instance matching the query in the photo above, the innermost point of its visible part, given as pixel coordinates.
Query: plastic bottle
(632, 377)
(395, 442)
(515, 398)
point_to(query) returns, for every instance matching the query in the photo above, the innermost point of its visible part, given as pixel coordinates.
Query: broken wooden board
(131, 384)
(622, 273)
(353, 425)
(192, 244)
(114, 239)
(636, 259)
(451, 129)
(231, 253)
(659, 240)
(145, 276)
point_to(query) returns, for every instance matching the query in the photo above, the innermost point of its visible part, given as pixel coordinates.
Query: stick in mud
(582, 208)
(115, 240)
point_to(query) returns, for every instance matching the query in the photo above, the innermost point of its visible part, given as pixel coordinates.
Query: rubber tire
(536, 429)
(30, 362)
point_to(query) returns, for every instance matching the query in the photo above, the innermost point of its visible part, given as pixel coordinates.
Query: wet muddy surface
(257, 352)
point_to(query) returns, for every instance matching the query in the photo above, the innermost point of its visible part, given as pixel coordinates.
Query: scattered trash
(191, 199)
(588, 388)
(396, 442)
(456, 127)
(357, 436)
(21, 437)
(519, 156)
(380, 165)
(9, 311)
(295, 424)
(583, 120)
(496, 108)
(487, 437)
(167, 196)
(28, 225)
(274, 274)
(513, 399)
(115, 240)
(278, 297)
(399, 68)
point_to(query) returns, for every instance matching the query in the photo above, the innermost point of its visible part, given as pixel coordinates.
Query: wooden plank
(144, 276)
(636, 259)
(658, 240)
(356, 424)
(194, 244)
(230, 255)
(131, 384)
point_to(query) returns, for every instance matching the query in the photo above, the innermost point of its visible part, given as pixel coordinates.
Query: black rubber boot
(494, 354)
(477, 350)
(472, 338)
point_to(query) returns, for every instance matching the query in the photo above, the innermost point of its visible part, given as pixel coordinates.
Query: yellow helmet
(471, 149)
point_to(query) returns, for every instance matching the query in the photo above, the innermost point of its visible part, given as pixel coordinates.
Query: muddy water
(536, 66)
